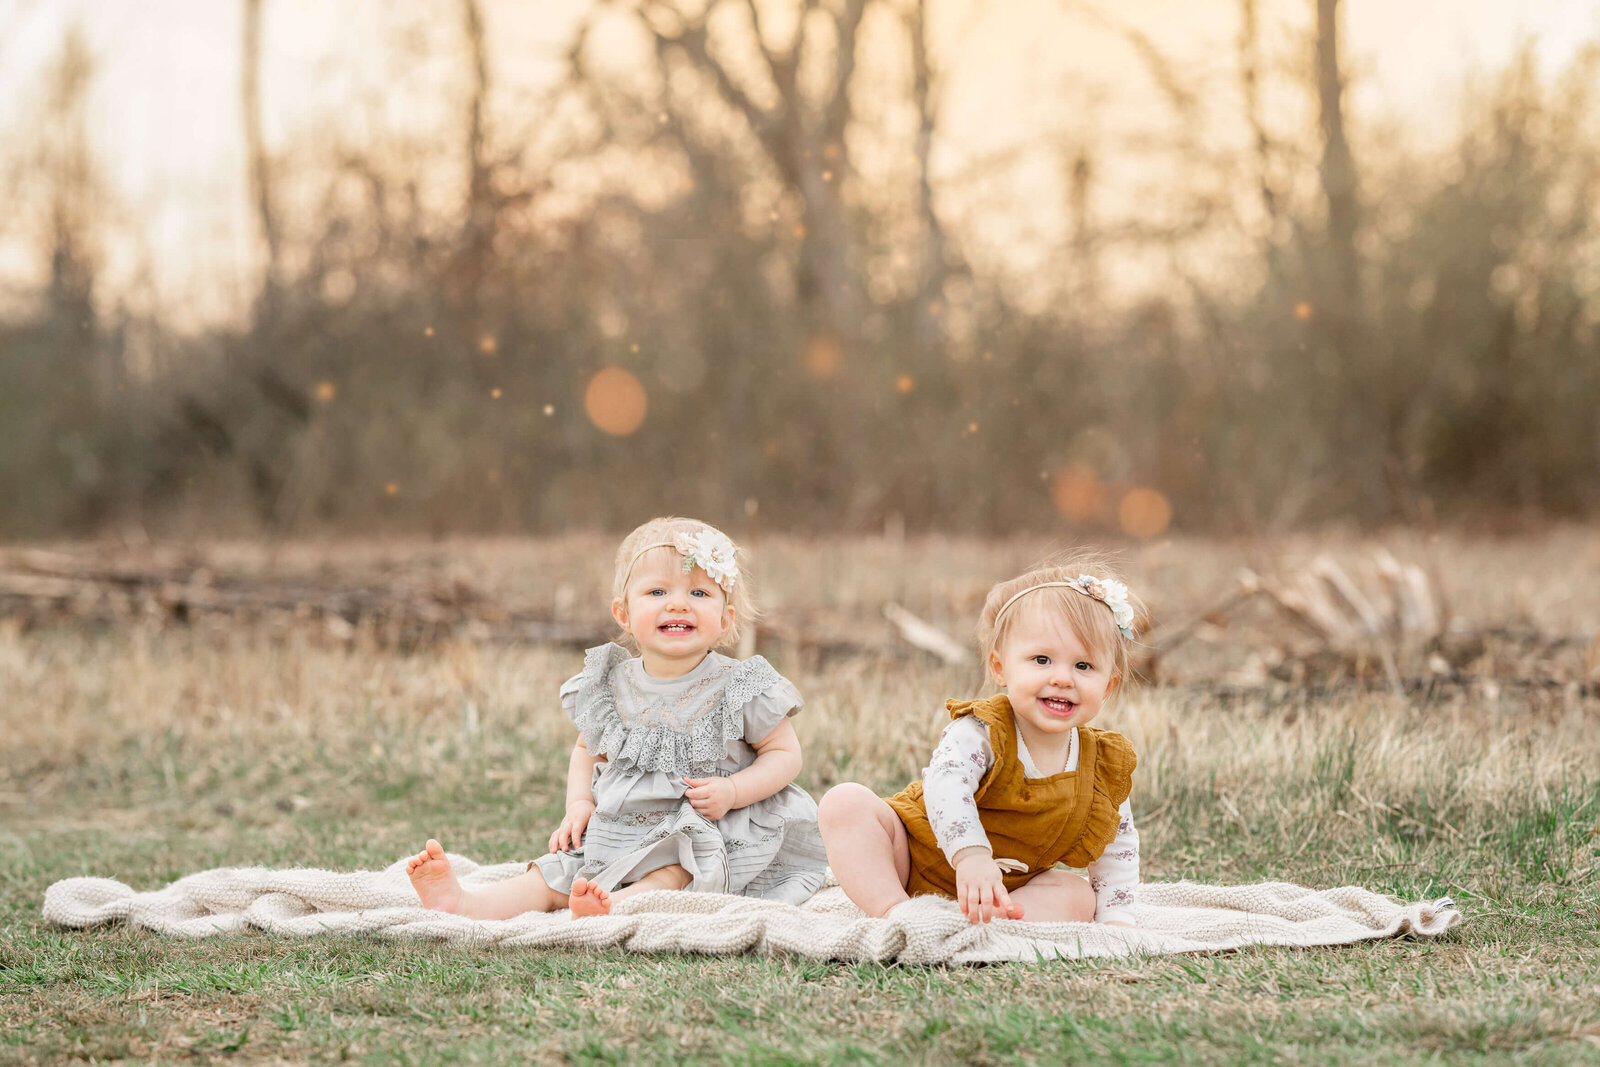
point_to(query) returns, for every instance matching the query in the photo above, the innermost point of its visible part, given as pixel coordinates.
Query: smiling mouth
(1057, 706)
(676, 627)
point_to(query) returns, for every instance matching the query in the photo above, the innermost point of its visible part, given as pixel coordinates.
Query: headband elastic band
(709, 549)
(1113, 594)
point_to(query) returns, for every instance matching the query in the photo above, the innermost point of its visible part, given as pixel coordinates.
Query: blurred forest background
(724, 262)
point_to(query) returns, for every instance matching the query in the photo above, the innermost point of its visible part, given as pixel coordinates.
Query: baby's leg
(589, 899)
(867, 849)
(1055, 896)
(437, 886)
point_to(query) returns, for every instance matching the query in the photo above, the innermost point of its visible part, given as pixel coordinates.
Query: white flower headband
(1110, 592)
(708, 549)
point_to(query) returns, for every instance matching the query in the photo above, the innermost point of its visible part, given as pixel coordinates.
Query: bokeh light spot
(487, 344)
(615, 402)
(495, 392)
(905, 383)
(1144, 513)
(1302, 310)
(549, 409)
(326, 391)
(1078, 493)
(392, 489)
(822, 358)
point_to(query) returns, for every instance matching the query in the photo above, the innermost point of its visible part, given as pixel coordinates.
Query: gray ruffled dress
(654, 733)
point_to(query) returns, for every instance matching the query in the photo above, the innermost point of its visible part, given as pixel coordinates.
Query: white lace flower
(1114, 595)
(713, 553)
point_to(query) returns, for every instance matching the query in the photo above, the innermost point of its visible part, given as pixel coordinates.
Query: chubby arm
(777, 763)
(949, 781)
(580, 799)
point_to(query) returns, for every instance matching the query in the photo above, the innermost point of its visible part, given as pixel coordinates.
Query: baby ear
(619, 612)
(994, 669)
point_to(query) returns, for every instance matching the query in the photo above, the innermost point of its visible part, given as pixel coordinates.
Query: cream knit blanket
(1173, 917)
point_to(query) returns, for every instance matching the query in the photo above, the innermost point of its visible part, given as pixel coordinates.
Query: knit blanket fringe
(1173, 917)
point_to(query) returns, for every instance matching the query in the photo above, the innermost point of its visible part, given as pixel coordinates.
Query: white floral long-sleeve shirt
(949, 781)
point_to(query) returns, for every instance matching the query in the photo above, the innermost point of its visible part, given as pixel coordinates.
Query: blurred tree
(259, 164)
(801, 132)
(740, 224)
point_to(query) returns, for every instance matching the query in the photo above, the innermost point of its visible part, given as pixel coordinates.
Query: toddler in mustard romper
(1019, 782)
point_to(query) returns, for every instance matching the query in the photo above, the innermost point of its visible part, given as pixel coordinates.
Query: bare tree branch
(1338, 166)
(256, 152)
(926, 91)
(1249, 81)
(836, 113)
(691, 39)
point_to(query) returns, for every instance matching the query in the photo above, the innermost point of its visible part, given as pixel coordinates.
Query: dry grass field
(147, 749)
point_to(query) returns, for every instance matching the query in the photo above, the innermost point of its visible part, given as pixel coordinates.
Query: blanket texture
(1173, 917)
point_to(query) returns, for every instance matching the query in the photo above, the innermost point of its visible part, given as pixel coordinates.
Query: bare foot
(587, 898)
(433, 880)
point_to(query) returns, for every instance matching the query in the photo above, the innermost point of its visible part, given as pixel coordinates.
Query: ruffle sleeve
(764, 711)
(591, 686)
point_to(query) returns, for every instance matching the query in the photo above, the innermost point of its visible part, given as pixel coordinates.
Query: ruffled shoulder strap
(1114, 761)
(994, 710)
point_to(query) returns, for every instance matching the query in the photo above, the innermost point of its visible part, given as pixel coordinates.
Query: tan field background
(143, 743)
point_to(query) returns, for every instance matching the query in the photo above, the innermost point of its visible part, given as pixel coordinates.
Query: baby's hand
(569, 834)
(981, 888)
(712, 797)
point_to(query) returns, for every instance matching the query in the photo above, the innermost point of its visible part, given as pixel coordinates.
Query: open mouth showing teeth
(1057, 705)
(675, 628)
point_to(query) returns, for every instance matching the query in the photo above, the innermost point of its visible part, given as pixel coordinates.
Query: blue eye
(656, 592)
(699, 592)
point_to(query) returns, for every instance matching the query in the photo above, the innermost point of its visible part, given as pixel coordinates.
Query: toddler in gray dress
(683, 774)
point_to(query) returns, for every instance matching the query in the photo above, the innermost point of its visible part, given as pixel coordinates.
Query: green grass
(146, 759)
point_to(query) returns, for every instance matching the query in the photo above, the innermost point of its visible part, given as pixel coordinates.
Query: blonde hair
(1091, 620)
(661, 531)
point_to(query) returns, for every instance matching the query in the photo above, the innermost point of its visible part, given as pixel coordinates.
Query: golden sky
(166, 113)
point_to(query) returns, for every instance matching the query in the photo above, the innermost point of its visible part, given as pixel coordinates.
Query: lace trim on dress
(647, 747)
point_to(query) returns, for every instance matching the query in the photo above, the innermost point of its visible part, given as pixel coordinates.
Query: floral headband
(710, 550)
(1113, 594)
